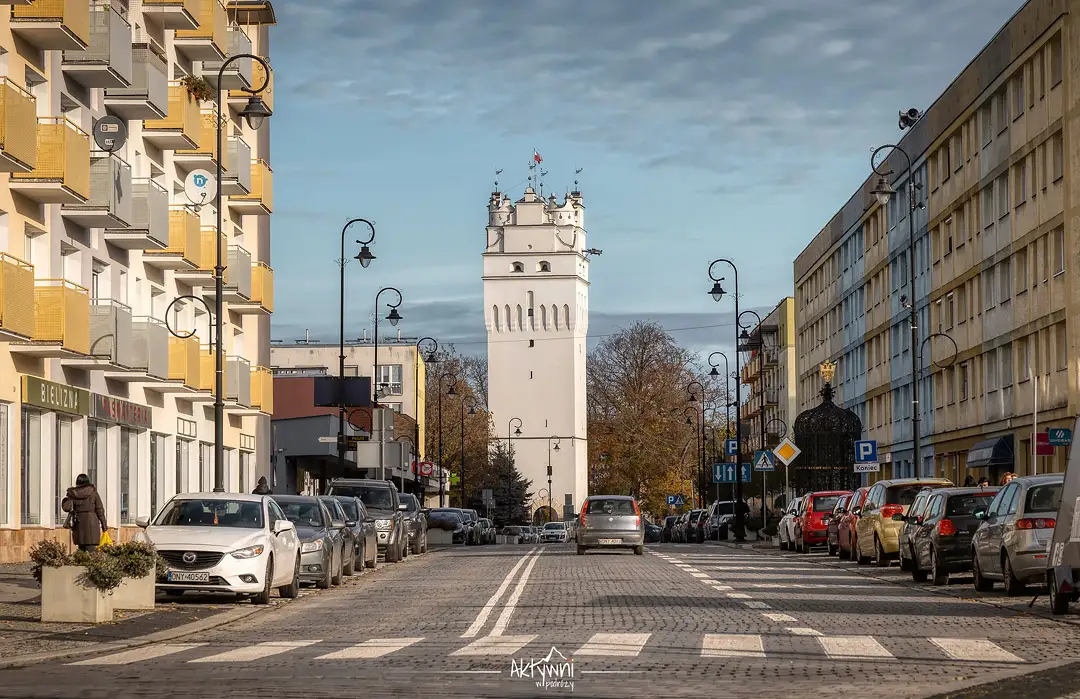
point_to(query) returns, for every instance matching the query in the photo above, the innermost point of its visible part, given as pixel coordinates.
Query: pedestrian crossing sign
(763, 461)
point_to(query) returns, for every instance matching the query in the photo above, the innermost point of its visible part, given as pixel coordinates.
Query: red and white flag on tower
(536, 156)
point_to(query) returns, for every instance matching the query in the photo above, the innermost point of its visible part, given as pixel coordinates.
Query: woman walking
(86, 514)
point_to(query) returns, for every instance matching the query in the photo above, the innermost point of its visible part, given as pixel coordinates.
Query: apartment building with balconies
(96, 246)
(769, 374)
(997, 316)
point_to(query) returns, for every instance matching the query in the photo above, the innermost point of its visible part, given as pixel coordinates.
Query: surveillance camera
(908, 118)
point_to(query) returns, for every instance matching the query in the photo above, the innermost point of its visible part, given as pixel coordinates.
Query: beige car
(877, 533)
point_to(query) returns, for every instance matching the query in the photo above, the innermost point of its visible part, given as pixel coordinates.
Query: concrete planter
(65, 599)
(135, 593)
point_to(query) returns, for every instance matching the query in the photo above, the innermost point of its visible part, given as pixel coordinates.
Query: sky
(703, 129)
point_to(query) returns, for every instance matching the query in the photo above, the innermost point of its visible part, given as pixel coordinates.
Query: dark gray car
(367, 543)
(415, 522)
(349, 530)
(321, 544)
(383, 503)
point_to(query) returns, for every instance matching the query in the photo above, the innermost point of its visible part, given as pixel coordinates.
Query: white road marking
(854, 648)
(614, 644)
(255, 652)
(738, 595)
(723, 645)
(804, 631)
(754, 604)
(691, 570)
(699, 575)
(511, 602)
(714, 585)
(495, 645)
(139, 654)
(787, 618)
(975, 649)
(373, 648)
(482, 617)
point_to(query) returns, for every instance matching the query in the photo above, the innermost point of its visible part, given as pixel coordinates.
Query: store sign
(120, 411)
(55, 396)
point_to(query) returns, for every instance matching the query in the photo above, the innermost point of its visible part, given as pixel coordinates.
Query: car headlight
(382, 524)
(249, 552)
(311, 546)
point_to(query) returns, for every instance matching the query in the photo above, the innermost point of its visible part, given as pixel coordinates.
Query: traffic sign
(786, 451)
(427, 469)
(726, 473)
(868, 468)
(1059, 436)
(676, 500)
(731, 447)
(763, 461)
(866, 452)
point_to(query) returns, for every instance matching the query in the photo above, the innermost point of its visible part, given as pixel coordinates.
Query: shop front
(125, 427)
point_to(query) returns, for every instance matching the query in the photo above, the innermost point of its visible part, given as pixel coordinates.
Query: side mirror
(899, 518)
(283, 525)
(142, 522)
(980, 514)
(403, 507)
(350, 524)
(920, 519)
(337, 524)
(856, 511)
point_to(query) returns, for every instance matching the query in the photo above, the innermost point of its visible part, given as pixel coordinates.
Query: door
(283, 545)
(989, 536)
(907, 533)
(864, 525)
(923, 532)
(1007, 526)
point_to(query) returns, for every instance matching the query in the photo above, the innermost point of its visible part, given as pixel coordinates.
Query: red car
(845, 531)
(812, 523)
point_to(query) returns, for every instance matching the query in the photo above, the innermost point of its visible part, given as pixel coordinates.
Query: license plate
(610, 541)
(178, 576)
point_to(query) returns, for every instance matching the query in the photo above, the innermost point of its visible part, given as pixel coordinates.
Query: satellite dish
(200, 187)
(110, 134)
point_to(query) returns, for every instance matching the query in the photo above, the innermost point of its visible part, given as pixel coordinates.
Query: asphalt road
(530, 621)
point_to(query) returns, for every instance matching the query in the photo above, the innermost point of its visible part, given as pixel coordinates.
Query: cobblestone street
(680, 621)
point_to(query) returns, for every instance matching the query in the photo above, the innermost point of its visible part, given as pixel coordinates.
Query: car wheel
(336, 579)
(292, 590)
(581, 550)
(350, 567)
(639, 550)
(423, 548)
(842, 553)
(264, 596)
(1013, 586)
(1059, 603)
(981, 584)
(880, 559)
(938, 576)
(917, 574)
(327, 577)
(905, 562)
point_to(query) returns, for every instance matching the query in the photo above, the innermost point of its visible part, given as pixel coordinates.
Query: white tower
(536, 301)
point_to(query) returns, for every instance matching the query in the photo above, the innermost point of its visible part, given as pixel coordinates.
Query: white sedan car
(786, 529)
(226, 542)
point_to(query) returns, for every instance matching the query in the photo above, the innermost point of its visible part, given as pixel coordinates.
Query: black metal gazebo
(826, 435)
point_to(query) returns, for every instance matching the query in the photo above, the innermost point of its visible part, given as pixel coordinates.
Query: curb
(990, 679)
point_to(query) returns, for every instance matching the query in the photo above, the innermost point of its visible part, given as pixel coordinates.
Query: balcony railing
(111, 202)
(149, 227)
(150, 346)
(147, 97)
(204, 154)
(210, 40)
(236, 180)
(238, 380)
(261, 198)
(238, 74)
(262, 389)
(107, 62)
(258, 74)
(110, 332)
(185, 361)
(262, 285)
(53, 25)
(185, 243)
(16, 298)
(208, 255)
(172, 14)
(62, 172)
(62, 314)
(238, 271)
(18, 128)
(181, 127)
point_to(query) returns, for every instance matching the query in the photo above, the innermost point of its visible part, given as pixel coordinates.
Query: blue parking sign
(731, 447)
(866, 452)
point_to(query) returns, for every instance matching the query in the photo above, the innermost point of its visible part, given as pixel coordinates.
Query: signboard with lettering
(120, 411)
(55, 396)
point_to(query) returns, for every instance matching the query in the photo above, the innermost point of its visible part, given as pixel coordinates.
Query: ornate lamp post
(471, 402)
(364, 257)
(701, 437)
(510, 463)
(394, 317)
(431, 357)
(442, 481)
(557, 442)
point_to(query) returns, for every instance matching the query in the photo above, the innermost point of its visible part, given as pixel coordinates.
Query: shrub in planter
(77, 587)
(48, 554)
(753, 523)
(141, 566)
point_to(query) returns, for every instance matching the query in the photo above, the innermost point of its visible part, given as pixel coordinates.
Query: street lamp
(745, 337)
(442, 481)
(364, 257)
(701, 447)
(717, 292)
(461, 470)
(691, 414)
(557, 442)
(393, 317)
(254, 113)
(510, 463)
(431, 357)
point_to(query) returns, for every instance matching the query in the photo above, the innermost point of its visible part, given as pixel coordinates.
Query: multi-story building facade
(770, 375)
(95, 246)
(994, 242)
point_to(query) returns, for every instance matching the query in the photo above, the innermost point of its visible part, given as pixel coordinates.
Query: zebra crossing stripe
(373, 648)
(136, 655)
(854, 648)
(614, 644)
(495, 645)
(255, 652)
(721, 645)
(975, 650)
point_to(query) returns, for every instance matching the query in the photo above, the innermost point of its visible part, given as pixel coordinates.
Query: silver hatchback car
(610, 521)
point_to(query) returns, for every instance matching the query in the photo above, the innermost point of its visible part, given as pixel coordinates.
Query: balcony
(262, 389)
(238, 98)
(107, 62)
(261, 298)
(185, 243)
(772, 396)
(248, 12)
(185, 366)
(18, 128)
(149, 227)
(209, 41)
(238, 275)
(181, 127)
(110, 338)
(53, 25)
(62, 172)
(772, 355)
(236, 178)
(172, 14)
(238, 381)
(149, 360)
(61, 321)
(16, 299)
(111, 199)
(204, 155)
(147, 96)
(261, 199)
(239, 73)
(203, 270)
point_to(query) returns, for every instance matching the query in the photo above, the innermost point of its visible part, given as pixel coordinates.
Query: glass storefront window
(96, 450)
(245, 471)
(183, 461)
(129, 458)
(62, 458)
(30, 494)
(206, 467)
(157, 470)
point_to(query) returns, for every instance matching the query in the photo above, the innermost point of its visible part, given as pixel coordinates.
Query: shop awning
(996, 451)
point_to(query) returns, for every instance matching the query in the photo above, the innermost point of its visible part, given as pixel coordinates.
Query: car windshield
(725, 508)
(211, 513)
(410, 504)
(610, 506)
(444, 516)
(1043, 498)
(825, 503)
(351, 510)
(902, 494)
(554, 525)
(304, 514)
(373, 496)
(967, 505)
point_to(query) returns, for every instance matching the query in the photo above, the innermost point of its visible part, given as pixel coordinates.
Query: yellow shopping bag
(106, 540)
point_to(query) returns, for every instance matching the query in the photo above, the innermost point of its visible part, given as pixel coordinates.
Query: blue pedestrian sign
(866, 452)
(731, 447)
(763, 461)
(1059, 436)
(726, 473)
(676, 500)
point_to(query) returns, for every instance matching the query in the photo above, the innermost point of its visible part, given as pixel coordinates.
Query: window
(1001, 111)
(517, 267)
(1039, 89)
(157, 470)
(206, 467)
(495, 318)
(183, 461)
(1056, 67)
(96, 449)
(1006, 366)
(543, 317)
(545, 267)
(1005, 280)
(1021, 183)
(987, 121)
(1019, 96)
(991, 371)
(1057, 157)
(961, 303)
(1021, 270)
(390, 378)
(30, 481)
(988, 289)
(1061, 358)
(965, 370)
(64, 479)
(129, 458)
(1023, 355)
(1003, 207)
(1059, 251)
(520, 318)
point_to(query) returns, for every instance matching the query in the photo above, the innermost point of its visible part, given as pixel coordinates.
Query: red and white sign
(427, 469)
(1042, 444)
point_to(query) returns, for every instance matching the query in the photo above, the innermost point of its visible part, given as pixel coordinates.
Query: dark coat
(85, 503)
(262, 488)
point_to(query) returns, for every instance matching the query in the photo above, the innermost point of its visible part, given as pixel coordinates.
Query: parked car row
(997, 535)
(250, 545)
(701, 525)
(467, 526)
